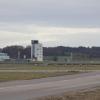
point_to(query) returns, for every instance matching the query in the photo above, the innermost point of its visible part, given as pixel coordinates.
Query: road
(26, 90)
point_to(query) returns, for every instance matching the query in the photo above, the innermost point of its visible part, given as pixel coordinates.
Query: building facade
(36, 51)
(4, 56)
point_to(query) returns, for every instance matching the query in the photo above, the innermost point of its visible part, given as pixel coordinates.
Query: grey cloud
(76, 40)
(29, 19)
(74, 13)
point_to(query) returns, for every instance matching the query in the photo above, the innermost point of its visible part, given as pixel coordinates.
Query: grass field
(81, 95)
(7, 76)
(48, 67)
(41, 71)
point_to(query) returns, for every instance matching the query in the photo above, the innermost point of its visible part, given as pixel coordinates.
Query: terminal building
(36, 51)
(4, 57)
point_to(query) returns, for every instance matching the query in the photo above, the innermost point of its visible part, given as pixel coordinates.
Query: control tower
(36, 51)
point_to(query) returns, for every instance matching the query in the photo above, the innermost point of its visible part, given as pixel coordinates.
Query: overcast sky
(53, 22)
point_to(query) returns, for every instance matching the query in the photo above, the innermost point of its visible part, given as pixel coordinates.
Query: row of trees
(12, 51)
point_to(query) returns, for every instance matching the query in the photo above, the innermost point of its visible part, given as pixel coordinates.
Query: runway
(26, 90)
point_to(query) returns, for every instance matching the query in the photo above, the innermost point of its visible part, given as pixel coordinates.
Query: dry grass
(48, 67)
(89, 95)
(7, 76)
(61, 70)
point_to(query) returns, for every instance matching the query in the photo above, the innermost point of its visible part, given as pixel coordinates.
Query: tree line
(12, 51)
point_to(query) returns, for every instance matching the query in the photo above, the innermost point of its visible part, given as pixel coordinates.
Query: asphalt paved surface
(26, 90)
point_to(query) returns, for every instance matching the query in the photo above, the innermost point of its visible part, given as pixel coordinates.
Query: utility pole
(71, 56)
(18, 55)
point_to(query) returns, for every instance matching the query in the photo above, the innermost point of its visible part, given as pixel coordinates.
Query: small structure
(4, 57)
(36, 51)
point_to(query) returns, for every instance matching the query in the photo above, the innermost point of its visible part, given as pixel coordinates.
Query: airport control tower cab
(36, 51)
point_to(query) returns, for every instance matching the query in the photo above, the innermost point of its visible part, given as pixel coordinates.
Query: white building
(4, 56)
(36, 51)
